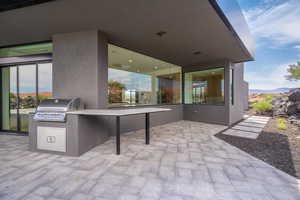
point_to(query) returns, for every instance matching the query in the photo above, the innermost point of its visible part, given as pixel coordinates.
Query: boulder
(295, 119)
(277, 100)
(294, 95)
(292, 109)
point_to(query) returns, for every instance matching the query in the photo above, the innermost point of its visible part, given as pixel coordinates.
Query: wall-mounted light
(155, 67)
(130, 60)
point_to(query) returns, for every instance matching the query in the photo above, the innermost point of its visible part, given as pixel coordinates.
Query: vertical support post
(37, 84)
(18, 101)
(118, 142)
(147, 128)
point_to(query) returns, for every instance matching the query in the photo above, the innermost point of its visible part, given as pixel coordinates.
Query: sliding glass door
(27, 94)
(9, 98)
(22, 88)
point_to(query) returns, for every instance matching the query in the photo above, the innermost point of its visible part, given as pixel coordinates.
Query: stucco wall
(218, 114)
(80, 67)
(136, 122)
(205, 113)
(246, 95)
(237, 109)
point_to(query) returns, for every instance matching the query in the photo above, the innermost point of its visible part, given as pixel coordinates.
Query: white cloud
(272, 78)
(297, 47)
(279, 23)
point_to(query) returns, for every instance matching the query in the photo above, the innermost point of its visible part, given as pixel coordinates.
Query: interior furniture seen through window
(204, 87)
(136, 79)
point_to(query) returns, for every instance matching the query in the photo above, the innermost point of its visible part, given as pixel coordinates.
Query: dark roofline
(220, 12)
(6, 5)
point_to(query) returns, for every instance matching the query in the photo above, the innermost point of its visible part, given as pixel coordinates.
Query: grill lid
(55, 109)
(59, 105)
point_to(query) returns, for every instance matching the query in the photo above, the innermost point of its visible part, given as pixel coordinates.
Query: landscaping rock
(294, 95)
(291, 108)
(288, 106)
(295, 119)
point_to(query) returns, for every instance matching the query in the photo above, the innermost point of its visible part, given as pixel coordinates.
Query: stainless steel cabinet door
(51, 138)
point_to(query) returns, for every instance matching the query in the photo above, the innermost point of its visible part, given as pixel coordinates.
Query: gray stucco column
(80, 67)
(227, 91)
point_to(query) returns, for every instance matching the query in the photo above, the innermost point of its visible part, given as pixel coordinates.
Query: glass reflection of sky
(27, 78)
(131, 80)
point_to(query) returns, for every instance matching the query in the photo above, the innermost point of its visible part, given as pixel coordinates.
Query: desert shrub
(262, 106)
(281, 124)
(268, 97)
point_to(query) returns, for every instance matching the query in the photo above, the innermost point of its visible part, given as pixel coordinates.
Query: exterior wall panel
(218, 114)
(80, 67)
(237, 109)
(205, 113)
(136, 122)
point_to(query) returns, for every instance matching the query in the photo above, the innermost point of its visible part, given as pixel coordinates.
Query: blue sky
(275, 25)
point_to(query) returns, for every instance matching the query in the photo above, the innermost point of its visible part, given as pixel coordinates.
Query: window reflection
(44, 81)
(27, 93)
(19, 90)
(204, 87)
(136, 79)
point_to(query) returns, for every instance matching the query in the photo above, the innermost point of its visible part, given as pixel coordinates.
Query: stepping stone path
(250, 128)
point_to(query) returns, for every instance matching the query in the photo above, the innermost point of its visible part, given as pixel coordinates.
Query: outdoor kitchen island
(118, 114)
(83, 130)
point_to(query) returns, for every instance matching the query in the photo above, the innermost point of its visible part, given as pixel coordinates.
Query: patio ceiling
(194, 32)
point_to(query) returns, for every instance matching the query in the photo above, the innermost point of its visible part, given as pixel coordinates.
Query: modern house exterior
(184, 55)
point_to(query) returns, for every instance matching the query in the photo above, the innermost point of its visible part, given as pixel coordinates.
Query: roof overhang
(196, 31)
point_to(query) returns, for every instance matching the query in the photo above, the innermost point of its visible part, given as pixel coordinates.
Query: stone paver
(249, 128)
(239, 133)
(183, 162)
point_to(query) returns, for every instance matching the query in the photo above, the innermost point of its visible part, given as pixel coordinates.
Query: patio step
(249, 128)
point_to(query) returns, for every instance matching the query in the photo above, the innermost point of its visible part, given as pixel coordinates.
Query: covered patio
(184, 161)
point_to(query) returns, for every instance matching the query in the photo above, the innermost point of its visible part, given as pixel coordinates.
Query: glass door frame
(17, 65)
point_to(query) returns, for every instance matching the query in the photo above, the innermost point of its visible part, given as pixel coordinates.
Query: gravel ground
(280, 148)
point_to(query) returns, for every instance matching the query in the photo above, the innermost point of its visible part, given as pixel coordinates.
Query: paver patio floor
(183, 162)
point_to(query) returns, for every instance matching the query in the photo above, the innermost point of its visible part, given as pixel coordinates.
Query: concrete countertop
(120, 112)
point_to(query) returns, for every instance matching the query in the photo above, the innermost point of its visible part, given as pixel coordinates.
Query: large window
(34, 49)
(136, 79)
(22, 88)
(204, 87)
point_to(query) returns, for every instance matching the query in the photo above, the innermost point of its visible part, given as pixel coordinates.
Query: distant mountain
(275, 91)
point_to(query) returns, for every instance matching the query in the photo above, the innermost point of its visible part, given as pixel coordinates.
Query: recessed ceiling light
(155, 67)
(130, 60)
(161, 33)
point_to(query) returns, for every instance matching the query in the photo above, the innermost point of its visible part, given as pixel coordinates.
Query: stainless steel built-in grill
(55, 110)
